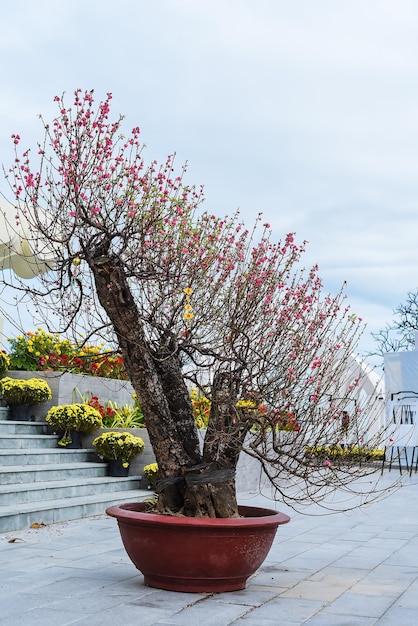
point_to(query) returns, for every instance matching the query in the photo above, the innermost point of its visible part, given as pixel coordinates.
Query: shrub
(114, 445)
(18, 391)
(151, 472)
(338, 453)
(67, 417)
(4, 363)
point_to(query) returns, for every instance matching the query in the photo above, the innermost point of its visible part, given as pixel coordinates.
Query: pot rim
(252, 516)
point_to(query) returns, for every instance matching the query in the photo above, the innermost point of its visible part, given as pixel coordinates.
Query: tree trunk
(160, 386)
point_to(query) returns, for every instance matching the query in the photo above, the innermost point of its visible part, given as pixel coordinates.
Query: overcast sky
(306, 110)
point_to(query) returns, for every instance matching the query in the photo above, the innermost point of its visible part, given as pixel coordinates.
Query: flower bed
(341, 454)
(43, 351)
(66, 389)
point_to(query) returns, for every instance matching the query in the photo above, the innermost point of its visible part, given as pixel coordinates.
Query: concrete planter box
(66, 389)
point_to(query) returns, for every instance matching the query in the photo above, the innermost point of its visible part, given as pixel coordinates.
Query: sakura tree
(190, 299)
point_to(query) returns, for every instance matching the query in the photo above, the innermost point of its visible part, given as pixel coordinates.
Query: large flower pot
(196, 554)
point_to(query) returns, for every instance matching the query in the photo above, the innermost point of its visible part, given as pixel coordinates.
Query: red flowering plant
(285, 420)
(107, 411)
(41, 350)
(189, 299)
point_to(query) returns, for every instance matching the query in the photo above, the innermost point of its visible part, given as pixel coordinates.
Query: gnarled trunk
(187, 484)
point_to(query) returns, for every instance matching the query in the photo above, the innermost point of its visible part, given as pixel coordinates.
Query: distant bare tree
(399, 335)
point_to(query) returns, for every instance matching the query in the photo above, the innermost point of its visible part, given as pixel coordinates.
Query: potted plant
(119, 449)
(4, 366)
(151, 474)
(21, 395)
(4, 363)
(191, 299)
(72, 419)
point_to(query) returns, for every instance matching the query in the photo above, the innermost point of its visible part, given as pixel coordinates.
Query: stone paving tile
(292, 610)
(365, 557)
(208, 612)
(253, 620)
(336, 574)
(398, 577)
(357, 604)
(280, 576)
(41, 617)
(398, 616)
(252, 596)
(340, 620)
(316, 590)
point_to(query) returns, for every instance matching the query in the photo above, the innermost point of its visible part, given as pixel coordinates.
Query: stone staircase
(41, 483)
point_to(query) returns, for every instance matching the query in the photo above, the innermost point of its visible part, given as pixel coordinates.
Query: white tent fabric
(17, 249)
(401, 372)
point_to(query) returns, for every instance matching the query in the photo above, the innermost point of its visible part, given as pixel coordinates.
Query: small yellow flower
(188, 291)
(188, 316)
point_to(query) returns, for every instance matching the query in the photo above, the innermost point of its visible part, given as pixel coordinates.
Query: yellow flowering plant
(151, 473)
(77, 417)
(339, 453)
(115, 445)
(201, 408)
(28, 392)
(4, 363)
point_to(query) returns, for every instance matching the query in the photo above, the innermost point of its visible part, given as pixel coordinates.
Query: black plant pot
(116, 469)
(21, 413)
(76, 442)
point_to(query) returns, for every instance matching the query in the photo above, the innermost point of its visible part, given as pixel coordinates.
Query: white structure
(401, 379)
(18, 249)
(366, 389)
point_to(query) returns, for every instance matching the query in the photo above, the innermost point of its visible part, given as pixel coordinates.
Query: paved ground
(352, 569)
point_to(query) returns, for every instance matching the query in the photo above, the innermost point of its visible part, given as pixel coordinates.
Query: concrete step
(17, 474)
(43, 483)
(17, 517)
(27, 441)
(45, 456)
(25, 428)
(13, 494)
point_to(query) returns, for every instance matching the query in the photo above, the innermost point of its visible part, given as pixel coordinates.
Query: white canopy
(18, 249)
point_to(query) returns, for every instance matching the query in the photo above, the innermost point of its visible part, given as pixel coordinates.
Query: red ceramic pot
(196, 554)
